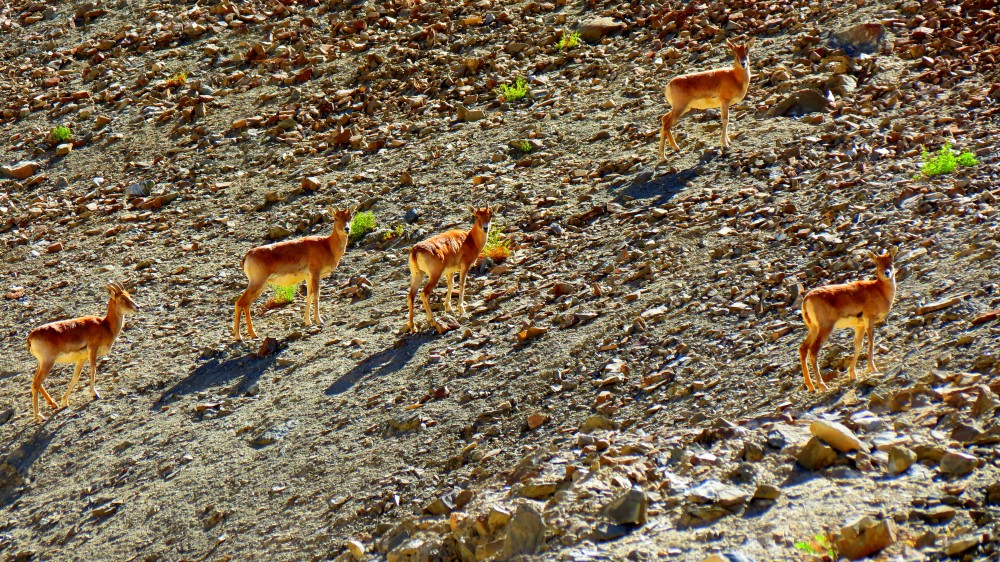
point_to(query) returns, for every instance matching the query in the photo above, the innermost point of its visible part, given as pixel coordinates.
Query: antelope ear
(893, 251)
(872, 255)
(751, 42)
(729, 43)
(110, 289)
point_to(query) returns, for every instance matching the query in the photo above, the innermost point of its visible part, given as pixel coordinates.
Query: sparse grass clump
(515, 91)
(569, 40)
(524, 146)
(397, 232)
(283, 295)
(817, 546)
(178, 79)
(497, 246)
(361, 224)
(62, 133)
(945, 161)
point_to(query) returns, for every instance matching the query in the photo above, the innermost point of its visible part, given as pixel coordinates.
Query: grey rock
(525, 532)
(411, 216)
(816, 455)
(956, 463)
(629, 508)
(900, 459)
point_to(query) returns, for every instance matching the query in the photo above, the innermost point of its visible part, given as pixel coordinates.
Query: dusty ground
(669, 294)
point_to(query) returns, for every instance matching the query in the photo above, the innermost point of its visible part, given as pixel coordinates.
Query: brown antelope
(76, 341)
(291, 262)
(444, 254)
(859, 305)
(705, 90)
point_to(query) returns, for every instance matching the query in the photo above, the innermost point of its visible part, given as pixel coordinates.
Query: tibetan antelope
(289, 263)
(76, 341)
(707, 89)
(859, 305)
(444, 254)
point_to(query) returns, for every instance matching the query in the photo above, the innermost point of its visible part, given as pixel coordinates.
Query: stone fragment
(957, 463)
(525, 532)
(310, 183)
(595, 29)
(961, 544)
(800, 103)
(837, 435)
(21, 170)
(64, 149)
(900, 459)
(865, 536)
(629, 508)
(816, 455)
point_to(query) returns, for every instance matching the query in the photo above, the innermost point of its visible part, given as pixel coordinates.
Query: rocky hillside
(625, 385)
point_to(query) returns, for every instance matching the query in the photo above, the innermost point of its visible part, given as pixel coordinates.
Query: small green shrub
(818, 546)
(515, 91)
(524, 146)
(394, 233)
(568, 41)
(61, 133)
(966, 159)
(178, 79)
(361, 224)
(284, 295)
(497, 245)
(945, 161)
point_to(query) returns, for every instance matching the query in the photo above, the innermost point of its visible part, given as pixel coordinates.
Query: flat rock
(816, 455)
(837, 435)
(900, 459)
(800, 103)
(956, 463)
(21, 170)
(629, 508)
(865, 536)
(595, 29)
(525, 532)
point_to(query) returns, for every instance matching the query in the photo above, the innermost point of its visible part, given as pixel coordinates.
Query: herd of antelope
(859, 305)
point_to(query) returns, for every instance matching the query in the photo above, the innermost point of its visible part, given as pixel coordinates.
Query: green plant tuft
(397, 232)
(524, 146)
(568, 41)
(284, 295)
(945, 161)
(178, 79)
(513, 92)
(818, 546)
(61, 133)
(361, 224)
(497, 245)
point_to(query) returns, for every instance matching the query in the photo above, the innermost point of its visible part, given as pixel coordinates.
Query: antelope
(705, 90)
(76, 341)
(859, 305)
(291, 262)
(444, 254)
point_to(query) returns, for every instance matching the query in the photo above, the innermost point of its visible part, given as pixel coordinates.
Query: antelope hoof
(94, 394)
(64, 405)
(39, 418)
(440, 329)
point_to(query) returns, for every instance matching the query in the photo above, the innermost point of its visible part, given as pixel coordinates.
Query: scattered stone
(64, 149)
(413, 550)
(525, 532)
(800, 103)
(275, 433)
(595, 29)
(536, 420)
(837, 435)
(767, 492)
(961, 544)
(865, 536)
(629, 508)
(900, 459)
(411, 216)
(863, 37)
(310, 183)
(21, 170)
(816, 455)
(469, 115)
(956, 463)
(728, 557)
(357, 549)
(596, 422)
